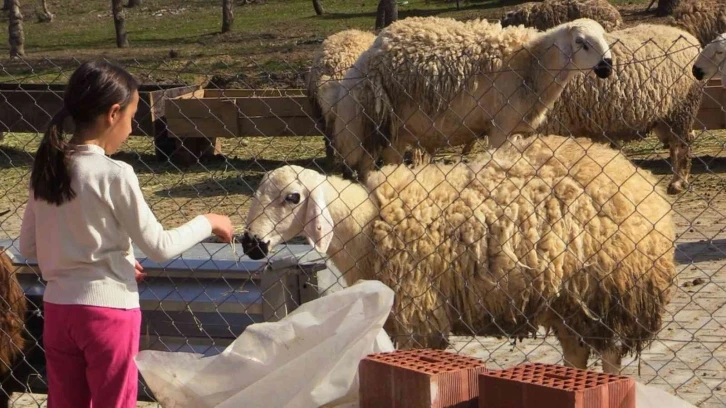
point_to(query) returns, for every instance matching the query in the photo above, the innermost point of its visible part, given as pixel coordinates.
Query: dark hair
(91, 91)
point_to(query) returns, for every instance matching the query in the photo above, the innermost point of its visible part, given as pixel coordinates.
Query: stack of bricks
(545, 385)
(419, 378)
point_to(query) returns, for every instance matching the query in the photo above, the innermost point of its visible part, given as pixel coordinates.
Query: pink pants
(89, 352)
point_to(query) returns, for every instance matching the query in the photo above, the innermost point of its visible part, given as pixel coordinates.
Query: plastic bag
(307, 359)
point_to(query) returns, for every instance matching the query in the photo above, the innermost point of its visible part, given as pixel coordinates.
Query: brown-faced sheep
(436, 82)
(651, 89)
(705, 19)
(550, 231)
(336, 55)
(549, 13)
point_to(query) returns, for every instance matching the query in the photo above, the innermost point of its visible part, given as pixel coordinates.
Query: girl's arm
(27, 230)
(134, 214)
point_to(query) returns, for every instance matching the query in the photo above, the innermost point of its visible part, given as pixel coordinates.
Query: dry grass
(225, 186)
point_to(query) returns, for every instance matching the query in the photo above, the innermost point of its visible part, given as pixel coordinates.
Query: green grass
(270, 46)
(273, 37)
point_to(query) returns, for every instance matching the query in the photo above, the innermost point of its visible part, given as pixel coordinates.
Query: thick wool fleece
(568, 230)
(549, 13)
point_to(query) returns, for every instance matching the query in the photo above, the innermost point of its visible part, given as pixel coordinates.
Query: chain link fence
(501, 280)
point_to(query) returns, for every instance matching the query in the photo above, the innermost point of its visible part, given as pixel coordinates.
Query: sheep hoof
(677, 187)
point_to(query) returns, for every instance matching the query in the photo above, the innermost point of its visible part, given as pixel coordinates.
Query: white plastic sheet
(307, 359)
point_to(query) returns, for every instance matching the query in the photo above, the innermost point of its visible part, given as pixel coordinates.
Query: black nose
(698, 73)
(254, 247)
(604, 68)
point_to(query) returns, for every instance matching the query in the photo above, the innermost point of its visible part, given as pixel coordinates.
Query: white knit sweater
(83, 247)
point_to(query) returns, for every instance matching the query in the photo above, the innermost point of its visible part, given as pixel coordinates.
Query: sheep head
(582, 42)
(289, 202)
(712, 60)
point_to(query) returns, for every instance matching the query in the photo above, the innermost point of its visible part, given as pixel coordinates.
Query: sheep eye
(293, 198)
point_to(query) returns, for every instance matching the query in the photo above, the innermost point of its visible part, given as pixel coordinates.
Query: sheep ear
(318, 222)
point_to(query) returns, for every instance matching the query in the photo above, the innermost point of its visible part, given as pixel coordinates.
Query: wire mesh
(489, 256)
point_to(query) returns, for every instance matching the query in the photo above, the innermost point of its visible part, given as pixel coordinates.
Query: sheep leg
(611, 361)
(574, 352)
(468, 148)
(680, 155)
(419, 156)
(677, 132)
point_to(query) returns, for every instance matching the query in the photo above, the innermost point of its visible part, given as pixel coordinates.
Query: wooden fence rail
(194, 118)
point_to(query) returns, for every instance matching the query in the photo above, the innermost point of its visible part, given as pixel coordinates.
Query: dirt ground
(687, 359)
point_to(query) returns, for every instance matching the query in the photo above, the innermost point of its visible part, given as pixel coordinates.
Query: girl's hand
(140, 275)
(221, 226)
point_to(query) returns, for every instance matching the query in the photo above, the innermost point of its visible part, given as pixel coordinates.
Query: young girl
(83, 212)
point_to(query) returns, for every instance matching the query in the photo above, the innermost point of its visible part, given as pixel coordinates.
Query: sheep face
(290, 202)
(586, 47)
(711, 61)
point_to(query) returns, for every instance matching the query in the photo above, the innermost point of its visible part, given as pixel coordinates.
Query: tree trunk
(47, 16)
(7, 4)
(386, 14)
(133, 3)
(227, 15)
(318, 7)
(16, 37)
(380, 15)
(666, 7)
(119, 20)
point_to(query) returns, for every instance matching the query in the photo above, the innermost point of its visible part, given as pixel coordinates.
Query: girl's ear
(113, 114)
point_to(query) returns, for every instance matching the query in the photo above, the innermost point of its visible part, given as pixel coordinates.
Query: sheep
(549, 231)
(432, 82)
(12, 319)
(549, 13)
(336, 55)
(651, 89)
(712, 60)
(703, 19)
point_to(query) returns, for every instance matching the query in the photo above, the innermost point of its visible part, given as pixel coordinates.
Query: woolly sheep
(432, 82)
(651, 89)
(549, 13)
(566, 231)
(712, 60)
(336, 55)
(703, 19)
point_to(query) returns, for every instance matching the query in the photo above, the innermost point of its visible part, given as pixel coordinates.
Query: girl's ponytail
(92, 90)
(51, 175)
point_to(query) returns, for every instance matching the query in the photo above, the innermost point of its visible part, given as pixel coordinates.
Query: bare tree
(386, 14)
(227, 15)
(119, 20)
(133, 3)
(46, 16)
(318, 7)
(16, 37)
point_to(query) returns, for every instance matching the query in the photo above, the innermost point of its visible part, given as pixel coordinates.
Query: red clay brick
(419, 378)
(536, 385)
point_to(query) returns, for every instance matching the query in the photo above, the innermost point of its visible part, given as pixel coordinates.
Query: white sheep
(549, 13)
(549, 231)
(651, 89)
(712, 60)
(336, 55)
(435, 82)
